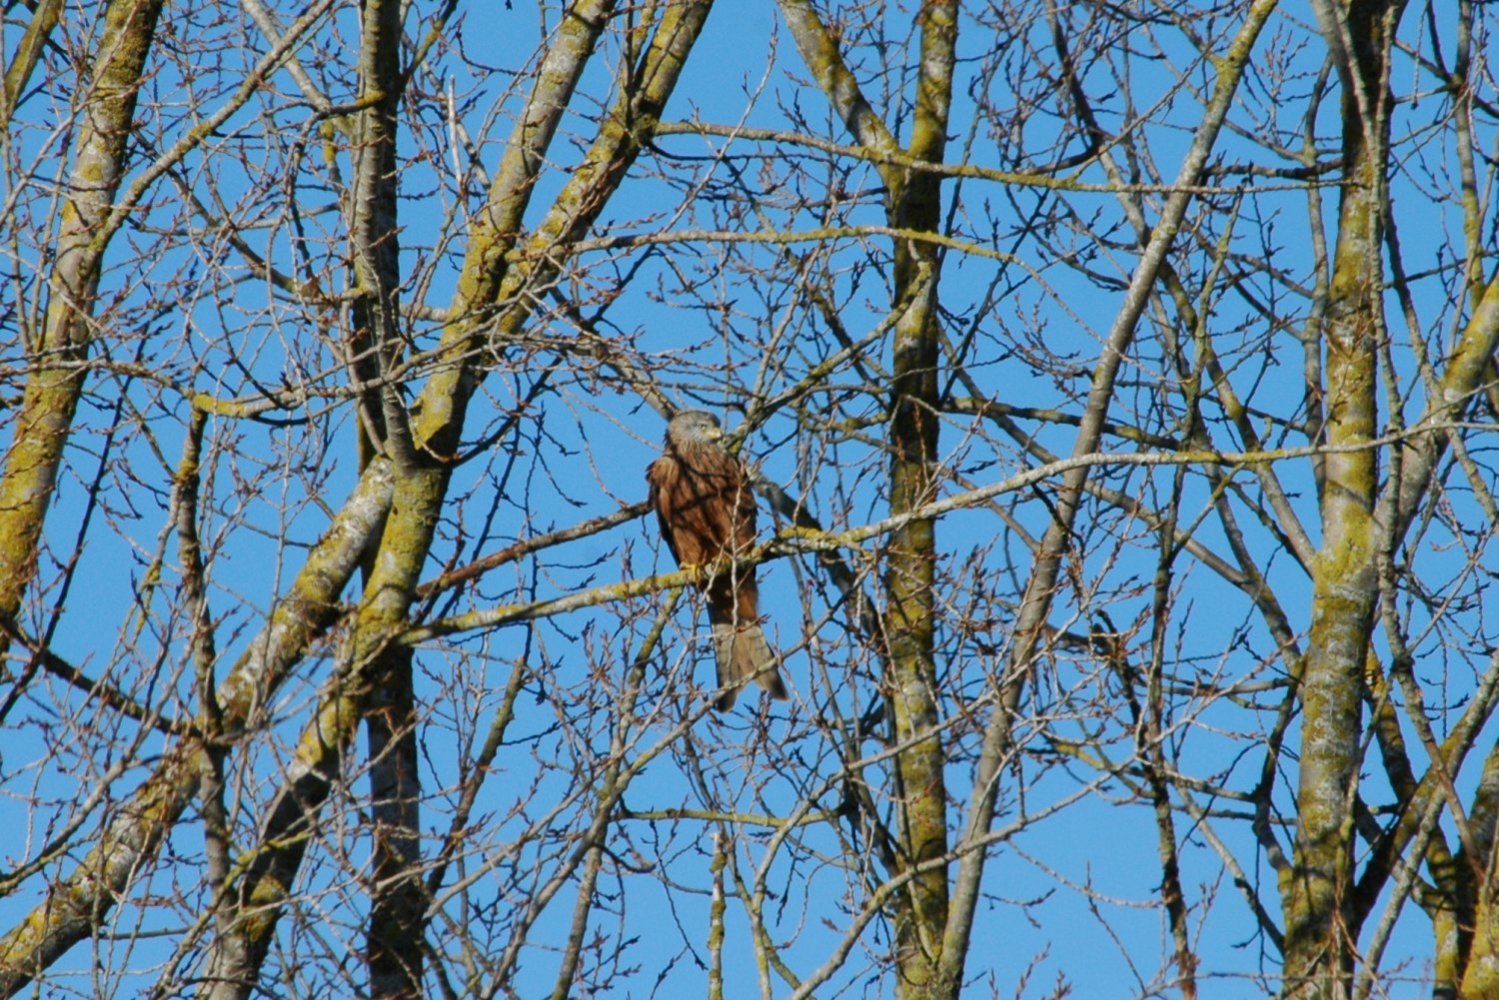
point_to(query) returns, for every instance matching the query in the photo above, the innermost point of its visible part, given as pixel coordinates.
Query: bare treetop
(1092, 405)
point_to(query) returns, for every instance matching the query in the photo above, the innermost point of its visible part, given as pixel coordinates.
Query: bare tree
(1117, 378)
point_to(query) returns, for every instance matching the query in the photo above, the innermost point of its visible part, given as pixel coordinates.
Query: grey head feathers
(693, 427)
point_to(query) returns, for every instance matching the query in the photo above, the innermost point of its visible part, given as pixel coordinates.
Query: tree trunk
(1322, 925)
(56, 361)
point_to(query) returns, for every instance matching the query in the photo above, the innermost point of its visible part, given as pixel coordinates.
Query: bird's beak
(715, 433)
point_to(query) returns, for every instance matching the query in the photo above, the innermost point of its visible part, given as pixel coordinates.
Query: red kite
(702, 498)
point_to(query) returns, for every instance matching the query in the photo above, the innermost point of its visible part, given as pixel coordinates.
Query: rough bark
(395, 938)
(57, 360)
(913, 202)
(911, 560)
(1321, 924)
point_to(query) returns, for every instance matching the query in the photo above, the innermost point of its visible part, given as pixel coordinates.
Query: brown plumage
(702, 498)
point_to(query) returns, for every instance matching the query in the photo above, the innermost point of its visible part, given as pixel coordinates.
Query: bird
(703, 501)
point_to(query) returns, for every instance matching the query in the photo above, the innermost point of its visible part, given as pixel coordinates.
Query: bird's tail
(743, 654)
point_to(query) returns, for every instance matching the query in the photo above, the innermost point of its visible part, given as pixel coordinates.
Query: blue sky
(697, 313)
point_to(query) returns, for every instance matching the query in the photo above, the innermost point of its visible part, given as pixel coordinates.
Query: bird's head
(693, 427)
